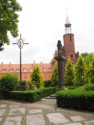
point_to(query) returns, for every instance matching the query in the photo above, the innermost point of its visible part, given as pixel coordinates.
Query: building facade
(46, 70)
(68, 50)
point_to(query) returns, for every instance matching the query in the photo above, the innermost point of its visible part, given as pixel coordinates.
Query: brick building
(68, 50)
(46, 70)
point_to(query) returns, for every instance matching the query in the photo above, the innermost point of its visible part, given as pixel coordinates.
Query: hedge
(76, 99)
(30, 96)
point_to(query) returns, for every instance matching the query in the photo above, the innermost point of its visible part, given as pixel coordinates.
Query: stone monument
(60, 58)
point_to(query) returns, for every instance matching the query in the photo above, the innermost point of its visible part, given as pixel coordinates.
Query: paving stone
(77, 118)
(42, 106)
(2, 112)
(3, 106)
(14, 106)
(37, 119)
(89, 122)
(13, 120)
(57, 118)
(35, 111)
(73, 124)
(17, 111)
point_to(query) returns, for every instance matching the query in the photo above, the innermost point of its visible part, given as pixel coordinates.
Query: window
(30, 70)
(25, 70)
(11, 70)
(49, 69)
(24, 75)
(3, 70)
(17, 70)
(44, 69)
(71, 55)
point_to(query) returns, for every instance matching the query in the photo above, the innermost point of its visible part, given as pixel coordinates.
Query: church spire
(67, 25)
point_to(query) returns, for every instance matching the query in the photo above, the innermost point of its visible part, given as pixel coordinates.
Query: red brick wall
(69, 47)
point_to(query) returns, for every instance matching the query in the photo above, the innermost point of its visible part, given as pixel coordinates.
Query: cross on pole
(20, 44)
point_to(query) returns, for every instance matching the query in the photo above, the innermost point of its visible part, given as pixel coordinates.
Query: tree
(8, 20)
(69, 73)
(8, 82)
(36, 77)
(89, 60)
(91, 71)
(80, 71)
(54, 77)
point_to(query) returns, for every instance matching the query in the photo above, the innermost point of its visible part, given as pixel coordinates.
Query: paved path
(44, 112)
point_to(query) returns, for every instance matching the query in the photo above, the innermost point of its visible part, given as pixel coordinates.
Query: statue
(60, 60)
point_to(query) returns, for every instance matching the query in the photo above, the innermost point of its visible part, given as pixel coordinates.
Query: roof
(24, 66)
(67, 20)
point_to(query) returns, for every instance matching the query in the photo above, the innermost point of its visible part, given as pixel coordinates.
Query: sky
(41, 23)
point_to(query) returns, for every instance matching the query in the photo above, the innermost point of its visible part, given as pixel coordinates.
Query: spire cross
(20, 45)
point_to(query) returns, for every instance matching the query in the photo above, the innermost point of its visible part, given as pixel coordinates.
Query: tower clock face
(20, 43)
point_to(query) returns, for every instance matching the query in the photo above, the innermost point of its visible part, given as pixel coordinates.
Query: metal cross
(20, 45)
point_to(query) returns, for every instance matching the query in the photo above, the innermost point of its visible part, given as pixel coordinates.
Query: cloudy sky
(41, 23)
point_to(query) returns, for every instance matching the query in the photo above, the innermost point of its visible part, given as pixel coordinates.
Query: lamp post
(20, 44)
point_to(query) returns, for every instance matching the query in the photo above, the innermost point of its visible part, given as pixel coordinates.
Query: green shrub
(47, 83)
(18, 95)
(23, 85)
(31, 95)
(36, 77)
(34, 95)
(76, 99)
(72, 87)
(47, 91)
(89, 87)
(30, 84)
(8, 82)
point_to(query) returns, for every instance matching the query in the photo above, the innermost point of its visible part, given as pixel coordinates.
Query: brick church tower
(68, 50)
(69, 46)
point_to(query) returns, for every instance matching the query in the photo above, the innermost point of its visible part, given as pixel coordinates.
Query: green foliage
(32, 95)
(88, 87)
(91, 71)
(54, 77)
(47, 91)
(30, 84)
(69, 73)
(76, 99)
(89, 60)
(23, 85)
(80, 70)
(8, 20)
(36, 77)
(47, 83)
(8, 82)
(87, 57)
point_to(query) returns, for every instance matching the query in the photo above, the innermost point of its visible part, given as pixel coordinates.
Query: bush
(30, 84)
(47, 91)
(76, 99)
(32, 95)
(23, 85)
(47, 83)
(89, 87)
(8, 83)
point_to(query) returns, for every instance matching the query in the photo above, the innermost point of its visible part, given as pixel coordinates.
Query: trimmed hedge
(47, 91)
(30, 96)
(88, 87)
(76, 99)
